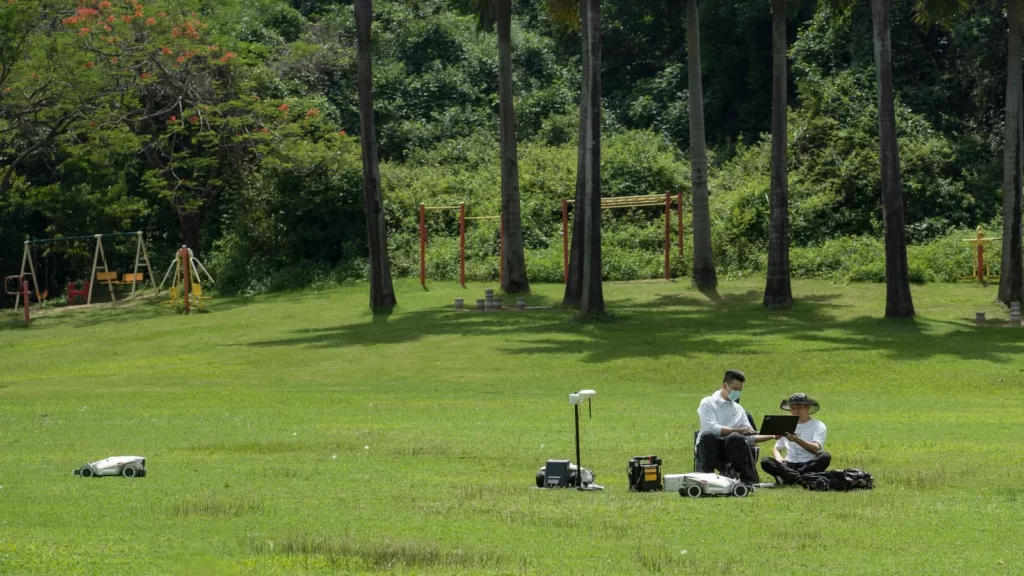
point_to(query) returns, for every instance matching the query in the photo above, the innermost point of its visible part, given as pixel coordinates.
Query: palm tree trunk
(592, 293)
(514, 278)
(1011, 281)
(704, 275)
(777, 292)
(898, 302)
(574, 283)
(382, 292)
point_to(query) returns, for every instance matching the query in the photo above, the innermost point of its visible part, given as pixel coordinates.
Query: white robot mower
(127, 466)
(698, 484)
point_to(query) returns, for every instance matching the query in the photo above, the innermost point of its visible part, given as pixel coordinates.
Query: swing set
(104, 276)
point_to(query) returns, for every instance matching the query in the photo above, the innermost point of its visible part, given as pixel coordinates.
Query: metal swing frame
(28, 267)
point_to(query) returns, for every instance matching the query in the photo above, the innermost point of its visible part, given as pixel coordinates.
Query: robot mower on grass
(698, 484)
(126, 466)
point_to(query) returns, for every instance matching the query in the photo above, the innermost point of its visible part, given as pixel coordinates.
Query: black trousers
(790, 472)
(715, 452)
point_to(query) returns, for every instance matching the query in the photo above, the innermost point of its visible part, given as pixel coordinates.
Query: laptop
(777, 425)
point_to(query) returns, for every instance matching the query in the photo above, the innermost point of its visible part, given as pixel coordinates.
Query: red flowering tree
(42, 93)
(168, 80)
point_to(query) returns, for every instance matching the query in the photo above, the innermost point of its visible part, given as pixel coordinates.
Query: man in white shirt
(805, 449)
(726, 431)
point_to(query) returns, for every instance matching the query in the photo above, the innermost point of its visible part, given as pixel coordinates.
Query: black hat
(800, 398)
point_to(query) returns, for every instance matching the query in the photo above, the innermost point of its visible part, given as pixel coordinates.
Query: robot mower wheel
(693, 491)
(129, 472)
(740, 490)
(86, 472)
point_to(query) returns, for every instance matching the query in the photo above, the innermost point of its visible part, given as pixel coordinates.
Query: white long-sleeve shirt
(716, 412)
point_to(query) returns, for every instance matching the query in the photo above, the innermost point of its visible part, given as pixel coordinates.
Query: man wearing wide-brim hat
(805, 449)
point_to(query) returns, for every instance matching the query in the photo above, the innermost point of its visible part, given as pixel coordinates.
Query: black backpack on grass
(838, 480)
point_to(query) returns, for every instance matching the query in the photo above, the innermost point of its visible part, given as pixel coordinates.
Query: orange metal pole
(565, 241)
(24, 296)
(462, 244)
(423, 245)
(668, 234)
(187, 276)
(679, 214)
(981, 262)
(501, 248)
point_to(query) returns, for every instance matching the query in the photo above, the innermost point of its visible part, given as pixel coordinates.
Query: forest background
(272, 159)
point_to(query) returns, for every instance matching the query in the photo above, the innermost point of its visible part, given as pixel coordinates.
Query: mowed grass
(296, 434)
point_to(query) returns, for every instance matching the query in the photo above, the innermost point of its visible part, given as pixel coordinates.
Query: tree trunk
(574, 283)
(382, 293)
(191, 225)
(592, 293)
(898, 302)
(778, 292)
(1011, 281)
(704, 275)
(514, 279)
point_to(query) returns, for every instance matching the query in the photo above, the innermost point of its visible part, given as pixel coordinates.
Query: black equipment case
(645, 474)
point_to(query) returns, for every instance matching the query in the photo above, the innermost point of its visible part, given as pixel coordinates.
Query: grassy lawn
(296, 434)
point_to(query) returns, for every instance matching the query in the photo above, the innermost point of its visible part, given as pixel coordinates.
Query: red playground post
(679, 214)
(423, 245)
(668, 234)
(21, 291)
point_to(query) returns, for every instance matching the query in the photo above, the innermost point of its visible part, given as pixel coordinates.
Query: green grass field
(296, 434)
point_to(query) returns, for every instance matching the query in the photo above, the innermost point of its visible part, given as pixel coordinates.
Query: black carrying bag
(838, 480)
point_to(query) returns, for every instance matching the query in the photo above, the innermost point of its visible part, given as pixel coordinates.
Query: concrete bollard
(480, 303)
(1014, 313)
(521, 303)
(489, 300)
(979, 318)
(497, 303)
(459, 303)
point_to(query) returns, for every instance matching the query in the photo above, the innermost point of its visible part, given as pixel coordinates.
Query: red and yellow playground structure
(461, 207)
(631, 202)
(647, 201)
(982, 273)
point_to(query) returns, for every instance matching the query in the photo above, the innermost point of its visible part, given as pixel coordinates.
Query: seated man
(725, 430)
(804, 449)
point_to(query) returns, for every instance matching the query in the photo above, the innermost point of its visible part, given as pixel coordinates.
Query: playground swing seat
(78, 290)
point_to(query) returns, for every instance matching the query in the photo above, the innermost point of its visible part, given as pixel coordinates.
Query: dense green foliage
(282, 207)
(297, 434)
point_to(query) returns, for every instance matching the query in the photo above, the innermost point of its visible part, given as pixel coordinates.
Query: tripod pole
(579, 466)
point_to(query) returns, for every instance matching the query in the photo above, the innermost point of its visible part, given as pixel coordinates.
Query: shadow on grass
(680, 324)
(141, 308)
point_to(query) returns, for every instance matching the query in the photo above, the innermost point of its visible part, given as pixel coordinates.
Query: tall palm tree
(704, 275)
(1011, 281)
(898, 302)
(777, 292)
(514, 279)
(382, 292)
(584, 288)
